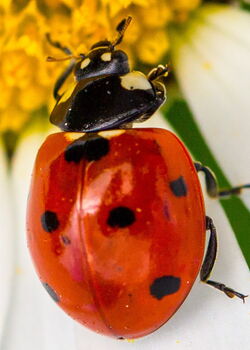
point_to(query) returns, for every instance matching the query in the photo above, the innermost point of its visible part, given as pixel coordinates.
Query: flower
(28, 318)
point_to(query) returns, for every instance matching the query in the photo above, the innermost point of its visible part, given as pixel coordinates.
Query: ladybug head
(106, 93)
(103, 58)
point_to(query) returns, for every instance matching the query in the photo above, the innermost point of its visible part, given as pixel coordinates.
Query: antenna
(121, 28)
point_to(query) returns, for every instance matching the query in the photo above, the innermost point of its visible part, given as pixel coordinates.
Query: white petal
(7, 243)
(212, 63)
(34, 321)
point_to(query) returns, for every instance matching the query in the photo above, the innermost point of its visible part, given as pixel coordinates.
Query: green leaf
(181, 119)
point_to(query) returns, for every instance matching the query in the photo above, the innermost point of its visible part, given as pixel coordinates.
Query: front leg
(159, 71)
(68, 70)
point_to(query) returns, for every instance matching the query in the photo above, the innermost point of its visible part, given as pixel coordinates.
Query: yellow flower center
(27, 80)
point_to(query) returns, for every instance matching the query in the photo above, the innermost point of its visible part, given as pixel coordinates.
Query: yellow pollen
(207, 65)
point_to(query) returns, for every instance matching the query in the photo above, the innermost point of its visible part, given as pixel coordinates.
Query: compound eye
(120, 56)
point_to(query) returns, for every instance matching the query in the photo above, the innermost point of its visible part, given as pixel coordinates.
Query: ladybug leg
(58, 45)
(209, 261)
(212, 186)
(160, 71)
(61, 79)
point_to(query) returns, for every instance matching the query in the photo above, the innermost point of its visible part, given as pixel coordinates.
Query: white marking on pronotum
(72, 136)
(106, 56)
(111, 133)
(85, 63)
(135, 80)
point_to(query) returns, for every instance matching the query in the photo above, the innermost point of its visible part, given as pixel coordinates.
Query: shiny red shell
(128, 280)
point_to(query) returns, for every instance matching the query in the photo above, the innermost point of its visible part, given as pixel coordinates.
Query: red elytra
(113, 235)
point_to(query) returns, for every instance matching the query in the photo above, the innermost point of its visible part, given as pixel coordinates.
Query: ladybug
(116, 223)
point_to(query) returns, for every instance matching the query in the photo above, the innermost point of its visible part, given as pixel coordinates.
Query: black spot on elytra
(120, 338)
(51, 292)
(93, 148)
(121, 217)
(49, 221)
(164, 285)
(179, 187)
